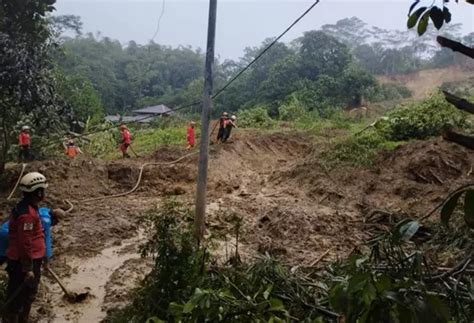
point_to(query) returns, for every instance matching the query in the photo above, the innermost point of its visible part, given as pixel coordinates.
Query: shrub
(186, 285)
(421, 120)
(293, 110)
(255, 118)
(389, 91)
(358, 150)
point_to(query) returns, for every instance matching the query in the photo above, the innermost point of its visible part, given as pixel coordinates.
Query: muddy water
(92, 274)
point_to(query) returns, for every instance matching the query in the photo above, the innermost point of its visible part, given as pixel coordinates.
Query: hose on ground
(137, 184)
(17, 182)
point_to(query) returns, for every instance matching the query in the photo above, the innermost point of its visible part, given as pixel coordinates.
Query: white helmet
(33, 181)
(25, 128)
(233, 118)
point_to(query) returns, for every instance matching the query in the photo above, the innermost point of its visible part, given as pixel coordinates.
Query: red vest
(25, 233)
(71, 151)
(24, 139)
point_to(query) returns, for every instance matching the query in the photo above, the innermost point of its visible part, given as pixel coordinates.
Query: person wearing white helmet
(24, 143)
(228, 128)
(26, 248)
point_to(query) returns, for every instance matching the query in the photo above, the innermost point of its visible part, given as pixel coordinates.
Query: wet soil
(288, 202)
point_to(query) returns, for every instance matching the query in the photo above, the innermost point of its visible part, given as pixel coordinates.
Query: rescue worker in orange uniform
(26, 249)
(190, 135)
(126, 140)
(24, 143)
(71, 150)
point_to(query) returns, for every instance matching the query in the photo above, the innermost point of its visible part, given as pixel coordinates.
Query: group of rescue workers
(71, 150)
(26, 252)
(225, 128)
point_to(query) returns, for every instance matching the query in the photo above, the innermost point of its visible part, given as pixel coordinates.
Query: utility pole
(200, 216)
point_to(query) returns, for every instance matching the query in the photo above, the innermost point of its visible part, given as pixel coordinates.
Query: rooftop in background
(127, 119)
(156, 109)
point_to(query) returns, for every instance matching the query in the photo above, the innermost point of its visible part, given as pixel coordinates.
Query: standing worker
(228, 128)
(126, 140)
(26, 249)
(71, 150)
(24, 143)
(190, 135)
(222, 124)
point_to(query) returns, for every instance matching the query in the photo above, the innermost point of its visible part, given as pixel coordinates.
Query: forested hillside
(325, 69)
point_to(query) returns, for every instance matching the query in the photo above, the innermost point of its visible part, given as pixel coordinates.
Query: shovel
(71, 296)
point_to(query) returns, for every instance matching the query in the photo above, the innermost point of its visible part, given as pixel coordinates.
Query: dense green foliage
(395, 282)
(133, 76)
(421, 120)
(27, 83)
(317, 68)
(186, 285)
(359, 149)
(255, 118)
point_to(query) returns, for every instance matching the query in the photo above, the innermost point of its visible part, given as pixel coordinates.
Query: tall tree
(26, 80)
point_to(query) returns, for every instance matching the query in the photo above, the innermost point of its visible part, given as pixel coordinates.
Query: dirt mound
(433, 162)
(168, 154)
(409, 180)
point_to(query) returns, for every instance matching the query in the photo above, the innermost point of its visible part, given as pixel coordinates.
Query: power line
(265, 50)
(159, 20)
(235, 77)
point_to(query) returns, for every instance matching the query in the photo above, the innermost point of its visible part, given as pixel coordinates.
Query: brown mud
(289, 204)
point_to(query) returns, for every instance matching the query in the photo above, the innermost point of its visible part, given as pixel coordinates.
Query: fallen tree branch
(314, 263)
(459, 138)
(455, 46)
(458, 102)
(456, 270)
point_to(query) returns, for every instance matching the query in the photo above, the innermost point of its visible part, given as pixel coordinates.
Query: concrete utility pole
(200, 216)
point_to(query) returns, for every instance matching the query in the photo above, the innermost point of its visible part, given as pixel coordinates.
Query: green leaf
(423, 24)
(469, 208)
(267, 292)
(188, 308)
(175, 309)
(154, 319)
(408, 230)
(276, 304)
(437, 17)
(448, 208)
(414, 17)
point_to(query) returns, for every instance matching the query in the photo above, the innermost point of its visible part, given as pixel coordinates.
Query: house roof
(156, 109)
(128, 119)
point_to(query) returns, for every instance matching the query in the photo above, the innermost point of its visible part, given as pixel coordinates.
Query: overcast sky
(240, 23)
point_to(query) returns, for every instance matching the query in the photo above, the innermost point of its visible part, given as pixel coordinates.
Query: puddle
(92, 274)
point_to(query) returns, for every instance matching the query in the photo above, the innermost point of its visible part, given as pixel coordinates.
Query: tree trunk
(459, 138)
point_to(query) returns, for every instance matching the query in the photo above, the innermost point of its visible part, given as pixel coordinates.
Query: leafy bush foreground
(395, 282)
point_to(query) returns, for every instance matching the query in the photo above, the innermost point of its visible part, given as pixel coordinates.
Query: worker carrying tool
(26, 252)
(24, 143)
(222, 124)
(190, 135)
(228, 127)
(126, 140)
(71, 150)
